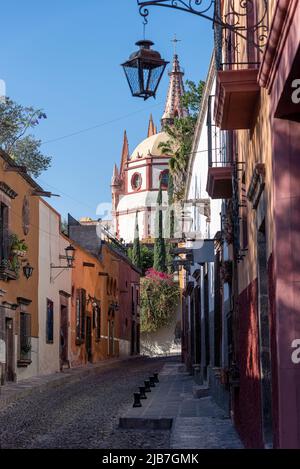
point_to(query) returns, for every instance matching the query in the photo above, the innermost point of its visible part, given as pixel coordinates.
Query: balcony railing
(242, 33)
(219, 183)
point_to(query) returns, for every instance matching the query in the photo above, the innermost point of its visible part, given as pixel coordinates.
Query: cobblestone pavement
(83, 414)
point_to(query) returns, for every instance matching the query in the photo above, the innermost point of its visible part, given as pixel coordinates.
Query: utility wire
(97, 126)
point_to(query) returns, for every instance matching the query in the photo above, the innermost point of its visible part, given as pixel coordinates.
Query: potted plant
(18, 246)
(26, 348)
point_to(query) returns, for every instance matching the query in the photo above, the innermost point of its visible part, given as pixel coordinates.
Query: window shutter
(83, 305)
(78, 314)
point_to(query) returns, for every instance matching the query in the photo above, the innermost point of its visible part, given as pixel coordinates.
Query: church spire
(174, 107)
(151, 127)
(115, 176)
(125, 153)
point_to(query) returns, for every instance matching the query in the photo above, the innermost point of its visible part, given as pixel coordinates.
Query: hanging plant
(18, 247)
(159, 300)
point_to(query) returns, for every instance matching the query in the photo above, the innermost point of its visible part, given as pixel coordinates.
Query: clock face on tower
(136, 181)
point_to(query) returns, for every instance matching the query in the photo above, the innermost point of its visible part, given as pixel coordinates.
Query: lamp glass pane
(132, 73)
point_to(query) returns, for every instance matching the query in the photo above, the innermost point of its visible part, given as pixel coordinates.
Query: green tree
(192, 97)
(159, 263)
(15, 122)
(136, 250)
(170, 225)
(146, 257)
(181, 134)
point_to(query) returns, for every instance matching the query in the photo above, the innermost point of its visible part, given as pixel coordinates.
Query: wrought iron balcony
(219, 178)
(238, 60)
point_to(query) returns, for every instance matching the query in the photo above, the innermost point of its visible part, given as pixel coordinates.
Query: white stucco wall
(51, 281)
(127, 225)
(138, 201)
(198, 182)
(162, 342)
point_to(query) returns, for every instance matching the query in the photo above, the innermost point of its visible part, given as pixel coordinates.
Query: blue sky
(64, 56)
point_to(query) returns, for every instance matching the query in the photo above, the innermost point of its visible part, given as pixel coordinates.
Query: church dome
(150, 146)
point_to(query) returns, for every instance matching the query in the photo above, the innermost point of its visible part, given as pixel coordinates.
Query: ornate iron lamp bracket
(211, 10)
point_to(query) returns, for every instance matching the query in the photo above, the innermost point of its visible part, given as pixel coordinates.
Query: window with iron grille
(3, 231)
(80, 313)
(49, 322)
(25, 336)
(97, 321)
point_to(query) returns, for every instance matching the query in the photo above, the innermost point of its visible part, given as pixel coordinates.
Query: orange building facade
(104, 320)
(19, 238)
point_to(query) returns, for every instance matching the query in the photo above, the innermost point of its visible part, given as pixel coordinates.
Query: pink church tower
(174, 107)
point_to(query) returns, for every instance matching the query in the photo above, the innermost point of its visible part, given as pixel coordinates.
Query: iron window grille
(49, 322)
(80, 315)
(217, 140)
(25, 336)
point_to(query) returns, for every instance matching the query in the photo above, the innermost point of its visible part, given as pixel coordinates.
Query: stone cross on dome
(174, 107)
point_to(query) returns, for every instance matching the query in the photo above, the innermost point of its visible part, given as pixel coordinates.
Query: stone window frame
(136, 175)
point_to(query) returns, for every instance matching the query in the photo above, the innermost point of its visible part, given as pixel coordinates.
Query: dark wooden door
(88, 341)
(9, 339)
(64, 326)
(111, 338)
(133, 338)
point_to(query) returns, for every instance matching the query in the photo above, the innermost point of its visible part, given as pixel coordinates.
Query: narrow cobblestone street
(82, 414)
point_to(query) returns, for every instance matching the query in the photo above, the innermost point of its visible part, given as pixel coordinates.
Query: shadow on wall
(165, 342)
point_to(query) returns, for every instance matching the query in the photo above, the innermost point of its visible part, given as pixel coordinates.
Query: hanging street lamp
(233, 21)
(144, 70)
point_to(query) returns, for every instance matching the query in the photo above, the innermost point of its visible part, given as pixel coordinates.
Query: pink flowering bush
(159, 300)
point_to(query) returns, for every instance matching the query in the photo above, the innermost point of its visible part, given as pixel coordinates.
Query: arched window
(164, 178)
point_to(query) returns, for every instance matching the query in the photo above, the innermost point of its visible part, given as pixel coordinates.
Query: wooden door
(64, 329)
(9, 340)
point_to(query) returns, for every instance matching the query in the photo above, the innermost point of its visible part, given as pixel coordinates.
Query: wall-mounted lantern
(70, 258)
(70, 255)
(28, 271)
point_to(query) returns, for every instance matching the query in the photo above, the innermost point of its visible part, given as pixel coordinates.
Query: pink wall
(280, 66)
(247, 398)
